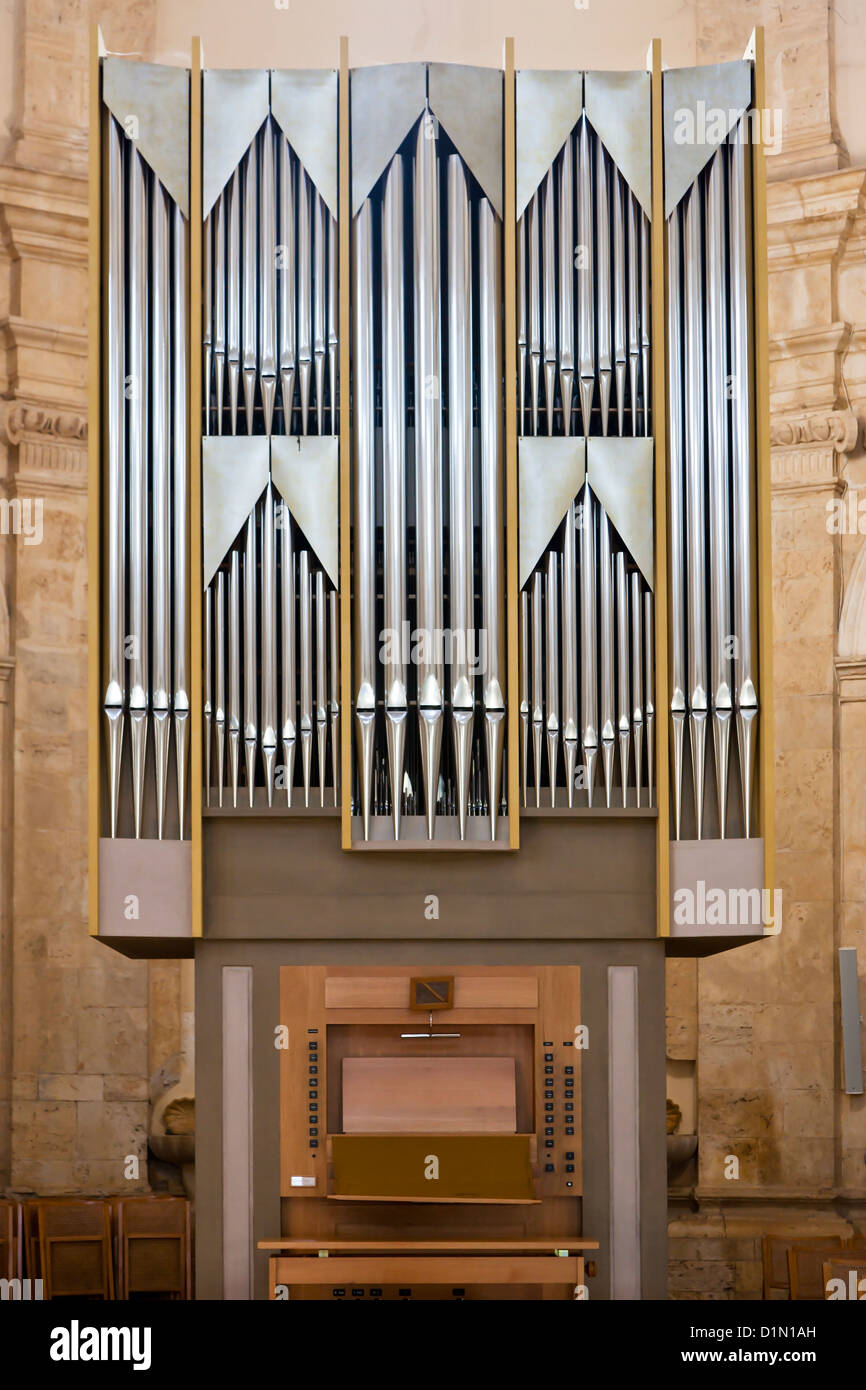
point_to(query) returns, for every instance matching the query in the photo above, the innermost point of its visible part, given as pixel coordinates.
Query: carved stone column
(770, 1094)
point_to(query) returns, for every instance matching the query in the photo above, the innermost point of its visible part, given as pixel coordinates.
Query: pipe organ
(429, 514)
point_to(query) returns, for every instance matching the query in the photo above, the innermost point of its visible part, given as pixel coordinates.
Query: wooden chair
(775, 1259)
(75, 1248)
(806, 1268)
(11, 1244)
(154, 1248)
(842, 1267)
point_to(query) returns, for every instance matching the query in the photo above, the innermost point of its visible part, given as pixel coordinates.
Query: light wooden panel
(766, 749)
(392, 992)
(512, 585)
(559, 1015)
(302, 1008)
(660, 453)
(194, 397)
(429, 1095)
(94, 481)
(418, 1269)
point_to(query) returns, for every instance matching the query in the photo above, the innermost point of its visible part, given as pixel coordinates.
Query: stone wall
(82, 1030)
(765, 1019)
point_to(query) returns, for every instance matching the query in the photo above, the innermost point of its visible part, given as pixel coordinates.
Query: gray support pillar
(237, 1131)
(624, 1110)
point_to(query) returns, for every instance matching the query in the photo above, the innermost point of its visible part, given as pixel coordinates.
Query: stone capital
(51, 447)
(838, 428)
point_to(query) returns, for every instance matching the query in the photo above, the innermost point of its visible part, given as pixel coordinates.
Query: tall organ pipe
(286, 283)
(365, 508)
(548, 260)
(251, 732)
(677, 504)
(428, 462)
(745, 656)
(288, 665)
(268, 272)
(719, 517)
(602, 212)
(180, 551)
(570, 711)
(586, 308)
(115, 689)
(460, 478)
(607, 662)
(269, 641)
(566, 283)
(139, 686)
(249, 356)
(695, 495)
(394, 479)
(233, 294)
(492, 518)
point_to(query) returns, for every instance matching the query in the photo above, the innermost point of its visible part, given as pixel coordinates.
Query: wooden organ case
(403, 1094)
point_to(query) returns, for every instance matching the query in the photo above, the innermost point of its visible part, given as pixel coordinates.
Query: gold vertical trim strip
(345, 225)
(94, 482)
(660, 421)
(194, 338)
(766, 754)
(510, 360)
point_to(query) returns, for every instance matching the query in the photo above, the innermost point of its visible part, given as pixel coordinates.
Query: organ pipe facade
(399, 566)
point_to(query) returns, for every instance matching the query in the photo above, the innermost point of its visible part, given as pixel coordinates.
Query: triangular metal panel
(551, 473)
(620, 473)
(304, 105)
(549, 104)
(386, 102)
(234, 476)
(618, 109)
(156, 99)
(468, 103)
(235, 103)
(306, 475)
(701, 106)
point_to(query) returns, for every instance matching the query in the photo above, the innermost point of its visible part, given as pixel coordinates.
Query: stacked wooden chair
(103, 1248)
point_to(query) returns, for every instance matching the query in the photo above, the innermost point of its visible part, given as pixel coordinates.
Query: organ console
(416, 1113)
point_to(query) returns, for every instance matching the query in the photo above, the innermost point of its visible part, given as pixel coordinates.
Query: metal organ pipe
(365, 510)
(286, 281)
(249, 358)
(394, 478)
(677, 504)
(139, 687)
(428, 462)
(719, 519)
(267, 287)
(566, 284)
(460, 476)
(305, 347)
(549, 297)
(586, 308)
(492, 518)
(180, 552)
(233, 295)
(602, 212)
(115, 689)
(745, 658)
(695, 496)
(269, 641)
(288, 670)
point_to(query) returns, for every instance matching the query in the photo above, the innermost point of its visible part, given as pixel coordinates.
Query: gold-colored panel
(434, 1168)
